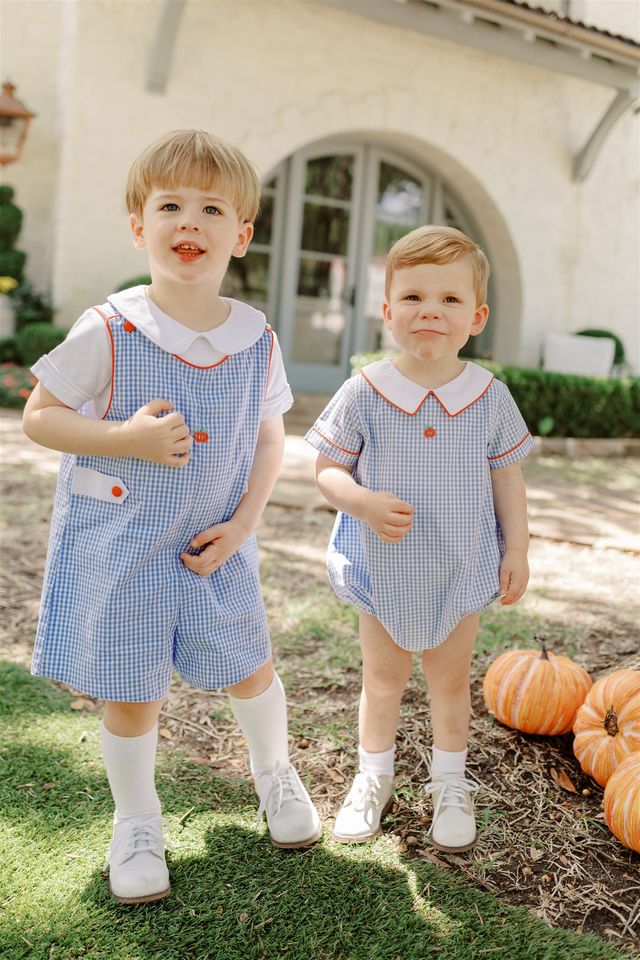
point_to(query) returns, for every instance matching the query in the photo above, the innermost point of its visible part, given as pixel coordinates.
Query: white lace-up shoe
(453, 828)
(368, 800)
(292, 819)
(137, 868)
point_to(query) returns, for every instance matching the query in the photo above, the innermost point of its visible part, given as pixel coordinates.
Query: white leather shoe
(292, 819)
(368, 800)
(453, 828)
(137, 867)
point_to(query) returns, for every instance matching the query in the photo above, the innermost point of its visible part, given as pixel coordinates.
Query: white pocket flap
(90, 483)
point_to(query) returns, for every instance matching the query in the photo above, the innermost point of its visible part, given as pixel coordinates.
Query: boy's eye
(412, 296)
(171, 207)
(211, 209)
(451, 299)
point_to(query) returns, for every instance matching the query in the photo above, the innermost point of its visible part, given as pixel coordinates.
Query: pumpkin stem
(544, 655)
(611, 722)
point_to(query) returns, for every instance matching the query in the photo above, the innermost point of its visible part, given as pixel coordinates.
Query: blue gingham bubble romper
(120, 611)
(439, 460)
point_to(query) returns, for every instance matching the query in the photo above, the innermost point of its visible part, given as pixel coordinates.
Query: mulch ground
(543, 841)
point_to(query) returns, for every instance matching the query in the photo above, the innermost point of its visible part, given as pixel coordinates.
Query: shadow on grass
(239, 898)
(235, 896)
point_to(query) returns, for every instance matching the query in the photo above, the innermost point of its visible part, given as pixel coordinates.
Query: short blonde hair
(194, 158)
(436, 244)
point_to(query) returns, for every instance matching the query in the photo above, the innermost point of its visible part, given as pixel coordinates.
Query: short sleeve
(511, 440)
(338, 431)
(78, 370)
(278, 397)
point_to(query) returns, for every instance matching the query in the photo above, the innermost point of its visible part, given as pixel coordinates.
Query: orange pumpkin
(535, 692)
(622, 802)
(607, 725)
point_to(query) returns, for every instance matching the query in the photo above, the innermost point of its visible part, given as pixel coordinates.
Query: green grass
(235, 897)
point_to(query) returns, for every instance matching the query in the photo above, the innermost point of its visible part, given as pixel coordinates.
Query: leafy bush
(619, 355)
(16, 384)
(30, 307)
(135, 282)
(559, 405)
(9, 350)
(11, 261)
(37, 338)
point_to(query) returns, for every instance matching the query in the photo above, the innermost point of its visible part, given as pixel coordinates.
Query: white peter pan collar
(243, 327)
(454, 396)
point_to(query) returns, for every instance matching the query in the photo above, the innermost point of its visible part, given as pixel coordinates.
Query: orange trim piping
(507, 452)
(352, 453)
(113, 354)
(196, 366)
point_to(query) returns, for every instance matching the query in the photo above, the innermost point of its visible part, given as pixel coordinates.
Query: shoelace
(143, 837)
(453, 793)
(284, 784)
(365, 793)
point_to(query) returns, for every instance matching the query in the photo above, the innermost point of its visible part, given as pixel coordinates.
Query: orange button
(129, 327)
(116, 491)
(200, 436)
(430, 432)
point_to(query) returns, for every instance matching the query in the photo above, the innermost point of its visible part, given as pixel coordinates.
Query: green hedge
(559, 405)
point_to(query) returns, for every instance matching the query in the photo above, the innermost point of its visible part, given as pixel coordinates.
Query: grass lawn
(235, 897)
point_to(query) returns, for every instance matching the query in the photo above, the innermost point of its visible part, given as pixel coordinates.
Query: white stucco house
(517, 122)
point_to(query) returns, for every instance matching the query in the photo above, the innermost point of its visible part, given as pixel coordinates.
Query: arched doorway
(329, 215)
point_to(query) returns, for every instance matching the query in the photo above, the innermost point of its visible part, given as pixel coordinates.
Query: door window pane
(264, 222)
(324, 228)
(247, 277)
(399, 196)
(330, 177)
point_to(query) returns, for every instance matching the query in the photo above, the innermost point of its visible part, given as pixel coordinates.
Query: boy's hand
(514, 576)
(388, 516)
(219, 542)
(164, 440)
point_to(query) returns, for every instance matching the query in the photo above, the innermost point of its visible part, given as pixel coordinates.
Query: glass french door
(346, 208)
(316, 264)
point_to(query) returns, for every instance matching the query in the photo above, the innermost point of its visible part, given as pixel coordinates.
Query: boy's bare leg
(131, 719)
(446, 671)
(386, 668)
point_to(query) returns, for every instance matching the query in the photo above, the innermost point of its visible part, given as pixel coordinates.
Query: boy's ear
(244, 239)
(137, 232)
(386, 314)
(479, 320)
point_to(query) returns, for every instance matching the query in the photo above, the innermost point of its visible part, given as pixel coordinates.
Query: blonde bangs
(194, 158)
(437, 244)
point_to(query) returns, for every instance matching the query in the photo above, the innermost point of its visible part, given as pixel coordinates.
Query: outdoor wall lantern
(14, 123)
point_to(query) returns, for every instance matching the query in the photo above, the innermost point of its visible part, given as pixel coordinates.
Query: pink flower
(24, 392)
(9, 382)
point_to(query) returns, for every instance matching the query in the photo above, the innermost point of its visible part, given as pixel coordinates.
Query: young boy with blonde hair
(167, 402)
(420, 454)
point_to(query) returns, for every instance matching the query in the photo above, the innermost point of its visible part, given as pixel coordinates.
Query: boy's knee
(385, 682)
(254, 685)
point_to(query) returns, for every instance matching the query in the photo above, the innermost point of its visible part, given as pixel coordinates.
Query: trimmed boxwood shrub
(560, 405)
(35, 339)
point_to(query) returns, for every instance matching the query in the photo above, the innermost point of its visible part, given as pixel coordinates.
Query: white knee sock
(447, 761)
(130, 765)
(382, 764)
(263, 721)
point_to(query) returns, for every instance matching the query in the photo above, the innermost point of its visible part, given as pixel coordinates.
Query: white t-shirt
(78, 371)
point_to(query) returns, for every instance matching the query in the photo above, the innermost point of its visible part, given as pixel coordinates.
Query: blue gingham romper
(448, 565)
(120, 611)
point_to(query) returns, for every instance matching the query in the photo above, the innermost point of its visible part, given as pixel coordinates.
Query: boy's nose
(429, 309)
(189, 223)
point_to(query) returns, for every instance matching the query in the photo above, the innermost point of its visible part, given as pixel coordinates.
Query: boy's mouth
(188, 251)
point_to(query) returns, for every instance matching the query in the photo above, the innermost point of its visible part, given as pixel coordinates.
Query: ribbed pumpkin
(622, 802)
(607, 725)
(535, 692)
